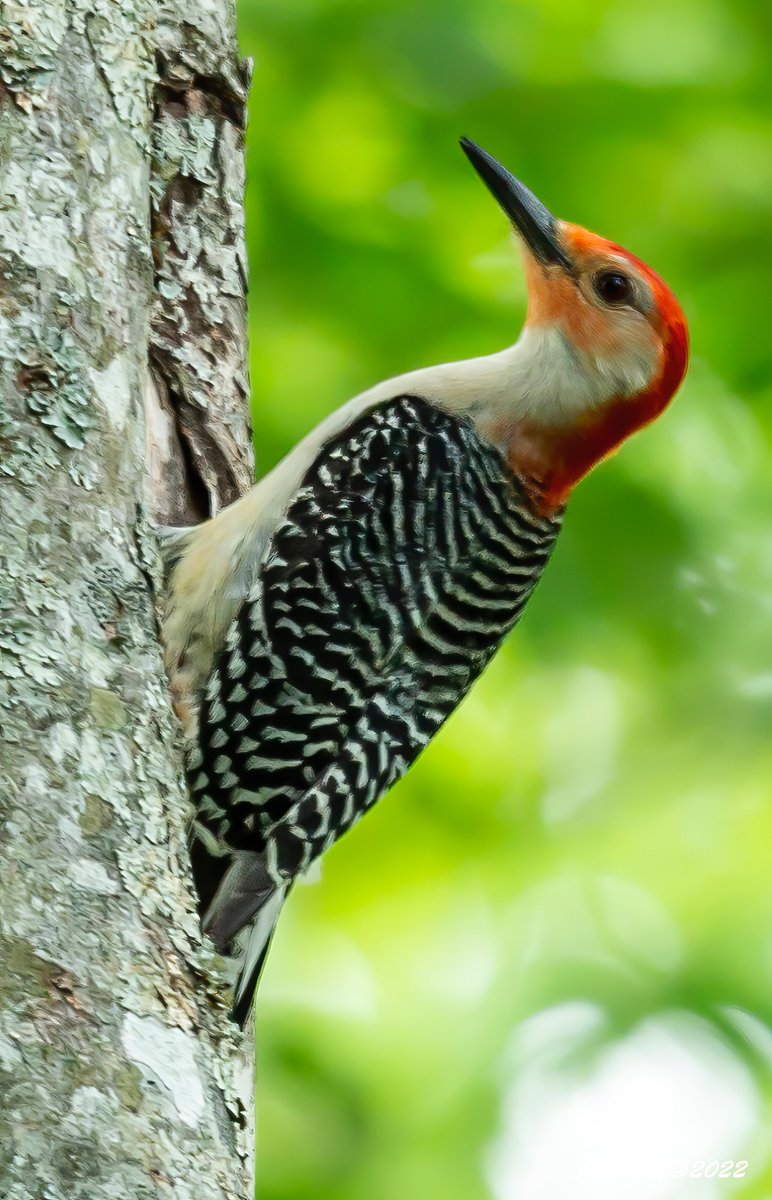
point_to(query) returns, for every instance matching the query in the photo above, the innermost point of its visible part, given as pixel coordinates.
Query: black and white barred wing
(404, 559)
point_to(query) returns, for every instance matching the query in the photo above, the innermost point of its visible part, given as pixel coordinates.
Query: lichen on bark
(119, 1072)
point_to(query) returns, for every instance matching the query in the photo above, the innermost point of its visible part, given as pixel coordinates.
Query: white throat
(540, 377)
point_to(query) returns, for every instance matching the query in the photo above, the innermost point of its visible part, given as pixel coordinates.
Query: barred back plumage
(405, 557)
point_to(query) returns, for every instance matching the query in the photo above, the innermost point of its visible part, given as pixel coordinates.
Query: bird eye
(613, 287)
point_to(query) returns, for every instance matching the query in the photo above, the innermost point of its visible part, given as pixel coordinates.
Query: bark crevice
(199, 258)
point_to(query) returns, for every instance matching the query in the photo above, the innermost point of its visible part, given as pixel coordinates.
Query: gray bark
(122, 369)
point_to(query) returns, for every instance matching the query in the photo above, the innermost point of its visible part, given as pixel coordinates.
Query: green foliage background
(595, 822)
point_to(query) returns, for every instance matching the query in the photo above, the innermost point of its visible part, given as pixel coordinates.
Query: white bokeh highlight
(617, 1122)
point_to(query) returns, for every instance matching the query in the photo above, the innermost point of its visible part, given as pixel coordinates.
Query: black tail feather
(256, 942)
(242, 1004)
(242, 918)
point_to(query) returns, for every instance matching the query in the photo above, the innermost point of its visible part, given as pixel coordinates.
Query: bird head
(603, 350)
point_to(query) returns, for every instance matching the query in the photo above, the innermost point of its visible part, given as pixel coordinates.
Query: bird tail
(240, 913)
(256, 941)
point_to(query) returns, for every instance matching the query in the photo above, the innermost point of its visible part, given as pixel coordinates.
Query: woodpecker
(322, 628)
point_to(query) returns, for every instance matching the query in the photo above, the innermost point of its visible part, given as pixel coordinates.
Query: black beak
(535, 224)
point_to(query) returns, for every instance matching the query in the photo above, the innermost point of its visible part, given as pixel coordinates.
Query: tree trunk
(122, 368)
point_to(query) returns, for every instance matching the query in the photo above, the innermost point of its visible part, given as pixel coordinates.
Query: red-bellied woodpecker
(321, 629)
